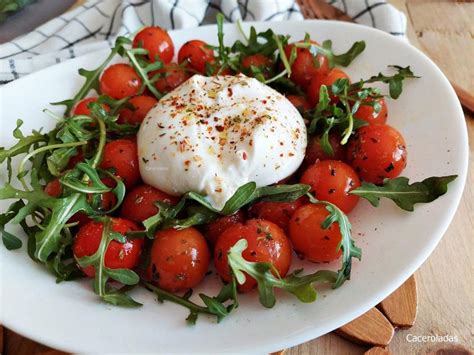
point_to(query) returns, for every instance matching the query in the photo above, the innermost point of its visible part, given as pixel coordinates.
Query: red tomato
(53, 188)
(119, 81)
(315, 152)
(79, 157)
(82, 107)
(173, 76)
(266, 243)
(214, 229)
(138, 203)
(299, 102)
(264, 63)
(377, 152)
(179, 259)
(117, 255)
(141, 105)
(331, 180)
(309, 239)
(276, 212)
(368, 114)
(306, 65)
(158, 43)
(324, 79)
(197, 55)
(121, 156)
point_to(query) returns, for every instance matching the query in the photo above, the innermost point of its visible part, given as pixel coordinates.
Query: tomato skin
(315, 152)
(367, 113)
(179, 259)
(277, 212)
(174, 76)
(332, 180)
(119, 81)
(82, 108)
(377, 152)
(138, 203)
(309, 239)
(197, 55)
(324, 79)
(122, 156)
(299, 102)
(264, 63)
(214, 229)
(158, 43)
(304, 67)
(266, 243)
(142, 104)
(53, 188)
(117, 255)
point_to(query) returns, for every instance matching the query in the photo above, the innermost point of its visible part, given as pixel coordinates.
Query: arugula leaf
(24, 142)
(343, 59)
(395, 82)
(10, 241)
(405, 195)
(253, 46)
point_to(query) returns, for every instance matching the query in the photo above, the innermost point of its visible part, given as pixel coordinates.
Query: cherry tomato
(306, 65)
(138, 203)
(264, 63)
(158, 43)
(121, 156)
(117, 255)
(197, 55)
(266, 243)
(309, 239)
(179, 259)
(315, 152)
(79, 157)
(299, 102)
(331, 180)
(324, 79)
(368, 114)
(172, 77)
(82, 107)
(214, 229)
(119, 81)
(141, 105)
(53, 188)
(276, 212)
(377, 152)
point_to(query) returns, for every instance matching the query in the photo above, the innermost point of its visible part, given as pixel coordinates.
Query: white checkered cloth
(94, 25)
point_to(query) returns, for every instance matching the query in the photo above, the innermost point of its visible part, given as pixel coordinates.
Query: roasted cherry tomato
(158, 43)
(266, 243)
(119, 81)
(315, 152)
(306, 65)
(53, 188)
(377, 152)
(276, 212)
(214, 229)
(366, 112)
(82, 107)
(260, 61)
(324, 79)
(121, 156)
(141, 105)
(309, 239)
(138, 204)
(179, 259)
(197, 54)
(171, 77)
(299, 102)
(332, 180)
(79, 157)
(117, 255)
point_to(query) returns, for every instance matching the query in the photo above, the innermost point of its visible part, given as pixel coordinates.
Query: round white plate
(68, 316)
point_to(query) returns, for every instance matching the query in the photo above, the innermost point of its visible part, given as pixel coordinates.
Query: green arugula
(395, 82)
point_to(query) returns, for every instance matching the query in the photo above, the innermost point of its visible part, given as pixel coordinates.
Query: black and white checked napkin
(95, 24)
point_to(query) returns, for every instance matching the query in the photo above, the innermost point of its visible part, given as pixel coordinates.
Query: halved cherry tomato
(138, 204)
(377, 152)
(53, 188)
(368, 114)
(266, 243)
(260, 61)
(179, 259)
(141, 105)
(309, 239)
(82, 107)
(172, 77)
(214, 229)
(332, 180)
(315, 152)
(306, 65)
(197, 54)
(119, 81)
(117, 255)
(324, 79)
(299, 102)
(121, 156)
(158, 43)
(276, 212)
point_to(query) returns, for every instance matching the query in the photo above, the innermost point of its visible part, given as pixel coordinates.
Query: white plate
(395, 243)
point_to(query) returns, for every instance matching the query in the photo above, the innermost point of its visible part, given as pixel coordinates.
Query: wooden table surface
(445, 31)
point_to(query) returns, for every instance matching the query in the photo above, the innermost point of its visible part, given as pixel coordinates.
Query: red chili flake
(291, 154)
(218, 190)
(230, 92)
(220, 128)
(264, 102)
(187, 162)
(244, 156)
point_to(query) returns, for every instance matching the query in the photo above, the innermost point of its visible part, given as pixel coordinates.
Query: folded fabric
(95, 24)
